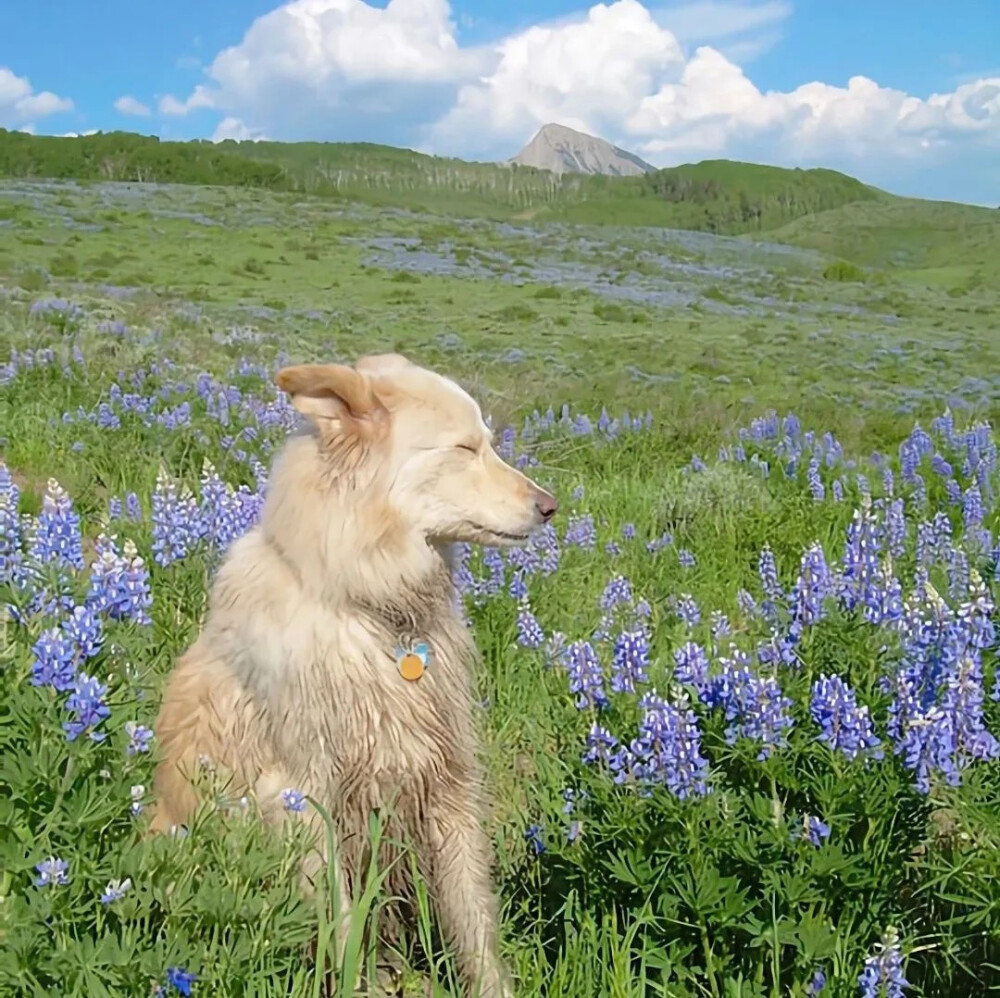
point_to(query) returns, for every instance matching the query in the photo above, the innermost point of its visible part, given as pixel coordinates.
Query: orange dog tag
(413, 661)
(411, 667)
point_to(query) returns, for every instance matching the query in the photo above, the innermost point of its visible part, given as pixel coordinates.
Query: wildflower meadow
(739, 699)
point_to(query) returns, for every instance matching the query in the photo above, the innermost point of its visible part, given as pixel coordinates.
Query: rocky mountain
(565, 150)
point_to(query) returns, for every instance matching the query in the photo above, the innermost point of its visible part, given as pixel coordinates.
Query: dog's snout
(546, 505)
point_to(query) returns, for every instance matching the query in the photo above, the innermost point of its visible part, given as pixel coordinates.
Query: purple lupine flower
(686, 558)
(859, 563)
(11, 556)
(616, 592)
(958, 573)
(177, 524)
(813, 586)
(816, 486)
(888, 481)
(817, 984)
(972, 507)
(936, 717)
(600, 743)
(811, 829)
(658, 543)
(116, 890)
(580, 531)
(630, 660)
(87, 703)
(56, 538)
(493, 561)
(768, 571)
(133, 510)
(882, 976)
(721, 628)
(691, 665)
(529, 631)
(895, 527)
(181, 980)
(119, 583)
(747, 604)
(135, 794)
(586, 676)
(294, 800)
(533, 835)
(688, 610)
(139, 737)
(753, 704)
(55, 660)
(845, 726)
(668, 747)
(84, 630)
(52, 872)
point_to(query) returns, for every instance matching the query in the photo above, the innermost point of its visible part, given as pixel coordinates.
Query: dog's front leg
(459, 871)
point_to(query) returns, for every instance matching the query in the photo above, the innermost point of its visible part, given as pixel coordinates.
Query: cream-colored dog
(334, 658)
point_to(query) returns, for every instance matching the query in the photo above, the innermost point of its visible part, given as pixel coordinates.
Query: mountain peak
(565, 150)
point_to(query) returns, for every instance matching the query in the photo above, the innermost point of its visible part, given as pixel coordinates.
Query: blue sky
(766, 80)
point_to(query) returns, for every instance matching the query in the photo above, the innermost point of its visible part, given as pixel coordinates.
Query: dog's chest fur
(345, 724)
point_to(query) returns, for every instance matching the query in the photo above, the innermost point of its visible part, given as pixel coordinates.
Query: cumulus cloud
(233, 128)
(587, 74)
(21, 105)
(200, 97)
(325, 68)
(130, 106)
(669, 82)
(714, 106)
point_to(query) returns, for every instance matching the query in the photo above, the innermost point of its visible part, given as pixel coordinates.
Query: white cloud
(310, 66)
(586, 74)
(20, 104)
(199, 98)
(713, 107)
(665, 81)
(131, 106)
(233, 128)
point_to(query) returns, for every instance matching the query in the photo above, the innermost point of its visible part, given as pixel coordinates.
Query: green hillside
(940, 240)
(816, 208)
(126, 156)
(717, 196)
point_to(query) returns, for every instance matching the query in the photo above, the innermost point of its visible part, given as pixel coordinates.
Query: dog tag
(413, 663)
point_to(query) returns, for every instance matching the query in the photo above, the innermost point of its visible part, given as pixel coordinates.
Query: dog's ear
(382, 363)
(330, 392)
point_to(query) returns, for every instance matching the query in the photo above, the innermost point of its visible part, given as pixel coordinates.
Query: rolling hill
(815, 208)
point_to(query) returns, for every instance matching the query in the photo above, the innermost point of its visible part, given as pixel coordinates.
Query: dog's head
(414, 439)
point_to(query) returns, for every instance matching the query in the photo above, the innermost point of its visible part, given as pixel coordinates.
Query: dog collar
(413, 658)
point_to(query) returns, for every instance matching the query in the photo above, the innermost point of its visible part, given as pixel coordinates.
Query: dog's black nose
(546, 505)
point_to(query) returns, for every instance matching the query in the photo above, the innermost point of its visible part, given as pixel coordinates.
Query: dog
(334, 658)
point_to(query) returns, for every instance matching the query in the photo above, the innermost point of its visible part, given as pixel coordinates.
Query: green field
(783, 367)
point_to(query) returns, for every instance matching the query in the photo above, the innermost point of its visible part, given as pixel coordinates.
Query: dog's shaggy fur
(293, 681)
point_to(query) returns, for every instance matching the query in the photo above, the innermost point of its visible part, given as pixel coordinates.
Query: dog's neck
(410, 606)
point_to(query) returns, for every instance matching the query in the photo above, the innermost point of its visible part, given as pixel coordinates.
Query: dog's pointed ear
(330, 391)
(382, 363)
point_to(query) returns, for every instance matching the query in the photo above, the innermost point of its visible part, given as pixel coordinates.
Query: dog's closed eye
(469, 447)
